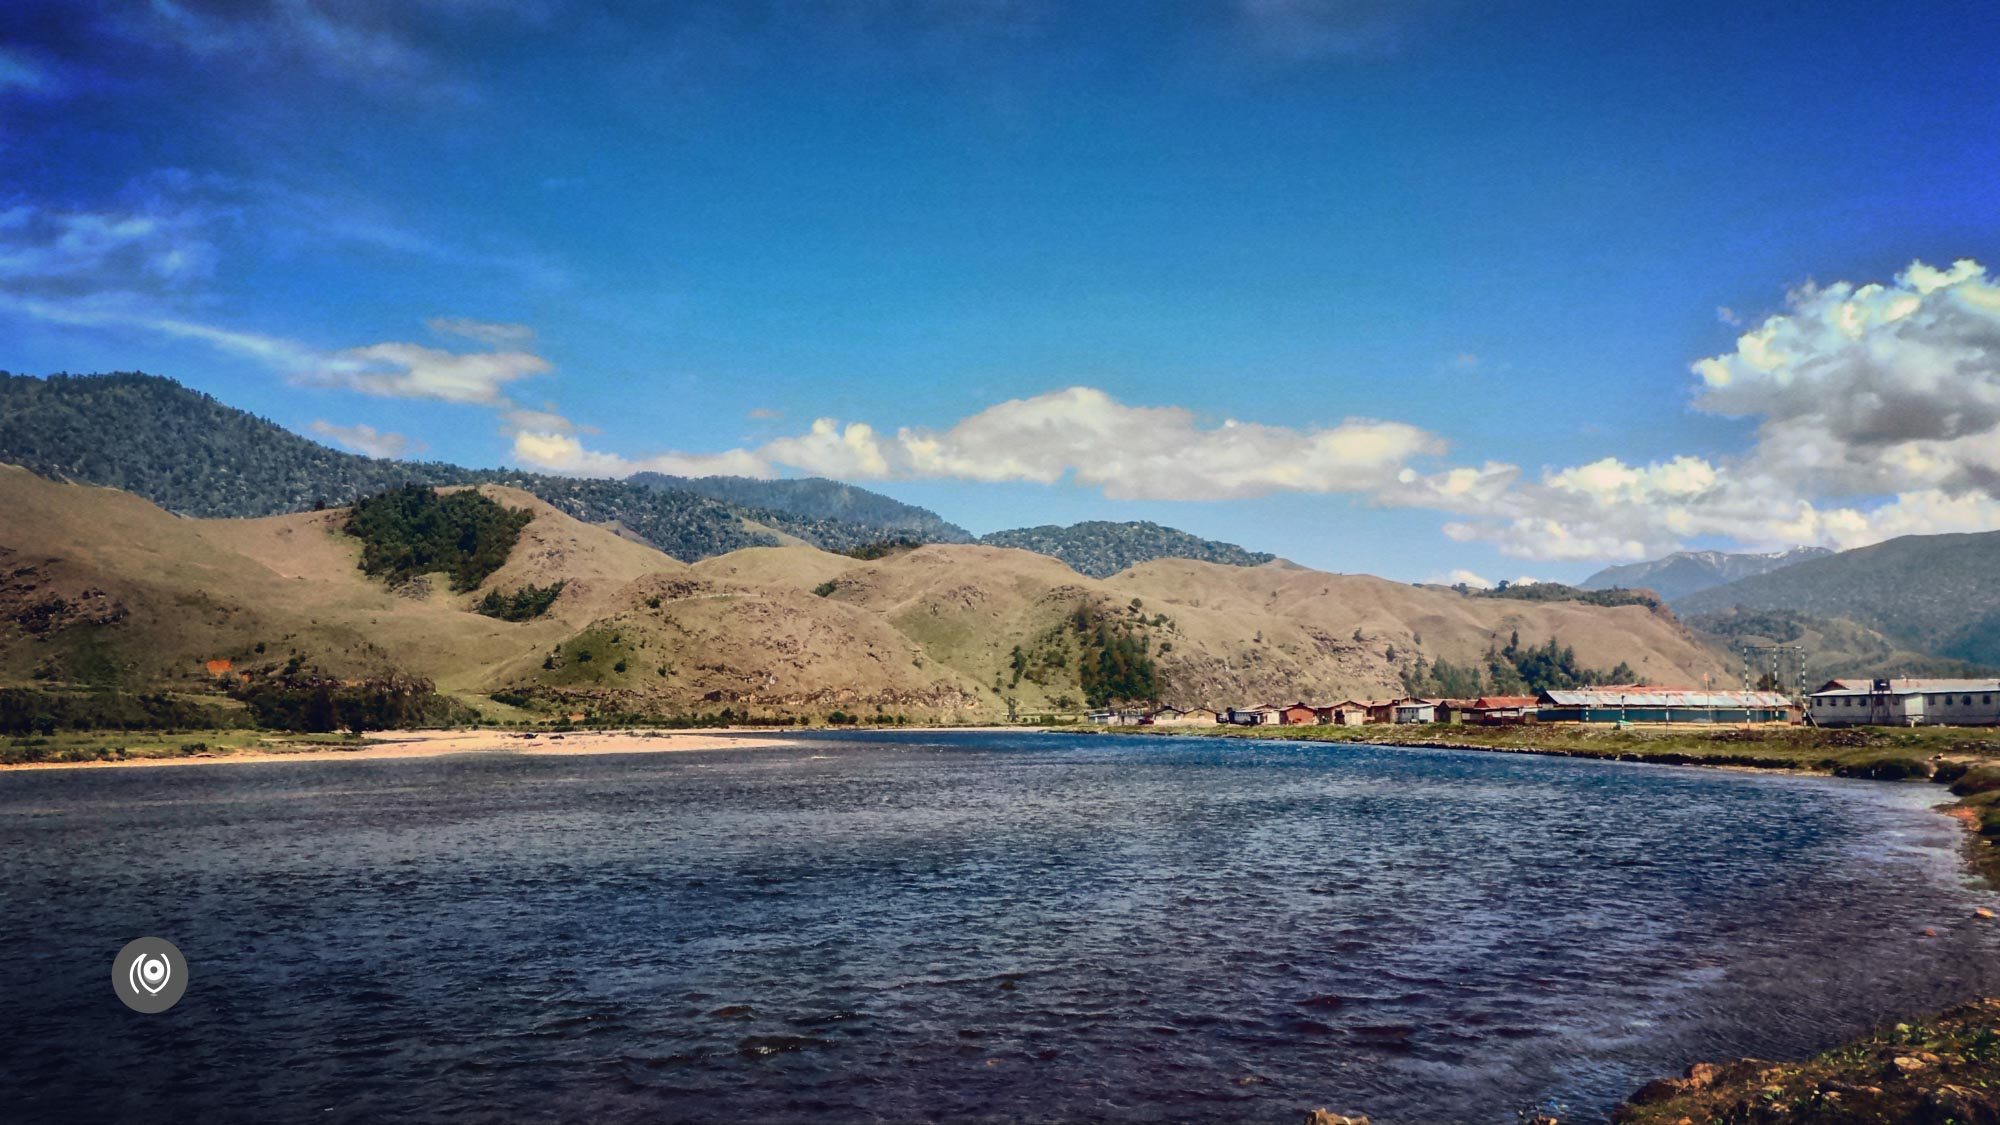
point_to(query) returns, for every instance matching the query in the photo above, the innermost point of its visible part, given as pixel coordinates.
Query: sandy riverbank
(435, 743)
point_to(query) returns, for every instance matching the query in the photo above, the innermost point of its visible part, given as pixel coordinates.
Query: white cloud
(1084, 435)
(829, 449)
(397, 370)
(1134, 452)
(563, 453)
(1080, 434)
(1878, 414)
(1873, 388)
(362, 438)
(1459, 577)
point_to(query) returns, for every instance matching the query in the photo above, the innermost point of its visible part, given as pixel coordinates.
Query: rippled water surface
(922, 927)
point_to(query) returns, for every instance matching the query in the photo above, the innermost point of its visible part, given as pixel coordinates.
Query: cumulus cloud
(1154, 453)
(1878, 414)
(362, 438)
(564, 453)
(1084, 435)
(1873, 388)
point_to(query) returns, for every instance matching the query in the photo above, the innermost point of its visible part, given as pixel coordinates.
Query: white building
(1907, 703)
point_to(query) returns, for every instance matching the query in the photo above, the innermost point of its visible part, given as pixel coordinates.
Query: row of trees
(318, 704)
(1512, 670)
(524, 604)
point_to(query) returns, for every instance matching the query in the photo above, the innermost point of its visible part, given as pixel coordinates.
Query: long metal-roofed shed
(1907, 702)
(1662, 705)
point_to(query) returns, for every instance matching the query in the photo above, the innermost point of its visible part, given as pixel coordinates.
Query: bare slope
(104, 587)
(177, 593)
(679, 644)
(1227, 634)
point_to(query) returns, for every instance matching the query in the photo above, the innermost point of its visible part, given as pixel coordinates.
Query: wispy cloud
(1317, 30)
(485, 332)
(403, 370)
(362, 438)
(26, 72)
(368, 45)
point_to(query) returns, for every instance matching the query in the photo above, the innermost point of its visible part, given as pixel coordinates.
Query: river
(911, 927)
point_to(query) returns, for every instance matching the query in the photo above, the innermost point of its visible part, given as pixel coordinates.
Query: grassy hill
(103, 590)
(1932, 594)
(1101, 548)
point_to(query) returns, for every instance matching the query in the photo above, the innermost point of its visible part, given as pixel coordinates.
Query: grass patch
(1878, 752)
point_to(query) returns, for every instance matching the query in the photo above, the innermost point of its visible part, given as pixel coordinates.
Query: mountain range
(1935, 595)
(191, 454)
(218, 535)
(1686, 572)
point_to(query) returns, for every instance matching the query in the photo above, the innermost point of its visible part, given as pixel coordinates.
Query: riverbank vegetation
(1941, 1070)
(74, 747)
(1885, 753)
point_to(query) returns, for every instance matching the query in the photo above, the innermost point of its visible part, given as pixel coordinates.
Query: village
(1836, 703)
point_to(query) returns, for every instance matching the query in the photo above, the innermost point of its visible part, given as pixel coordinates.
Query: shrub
(524, 604)
(1980, 779)
(411, 531)
(1887, 768)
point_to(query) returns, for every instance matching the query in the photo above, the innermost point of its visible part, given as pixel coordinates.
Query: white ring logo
(151, 973)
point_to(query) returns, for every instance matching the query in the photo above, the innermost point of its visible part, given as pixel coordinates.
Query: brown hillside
(681, 644)
(198, 590)
(97, 586)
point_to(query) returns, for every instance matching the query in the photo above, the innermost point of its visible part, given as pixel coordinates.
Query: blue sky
(1447, 267)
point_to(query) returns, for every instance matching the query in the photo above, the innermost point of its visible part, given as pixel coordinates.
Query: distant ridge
(1934, 594)
(192, 454)
(816, 498)
(1687, 572)
(1101, 548)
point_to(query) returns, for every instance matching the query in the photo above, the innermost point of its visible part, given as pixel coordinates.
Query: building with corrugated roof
(1640, 704)
(1906, 703)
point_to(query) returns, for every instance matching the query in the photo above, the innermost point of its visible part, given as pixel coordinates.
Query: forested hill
(1687, 572)
(817, 498)
(1101, 548)
(189, 453)
(1936, 594)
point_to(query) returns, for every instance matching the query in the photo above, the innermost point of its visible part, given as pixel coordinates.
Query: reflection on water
(926, 927)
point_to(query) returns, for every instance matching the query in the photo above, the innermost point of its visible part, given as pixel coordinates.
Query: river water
(948, 927)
